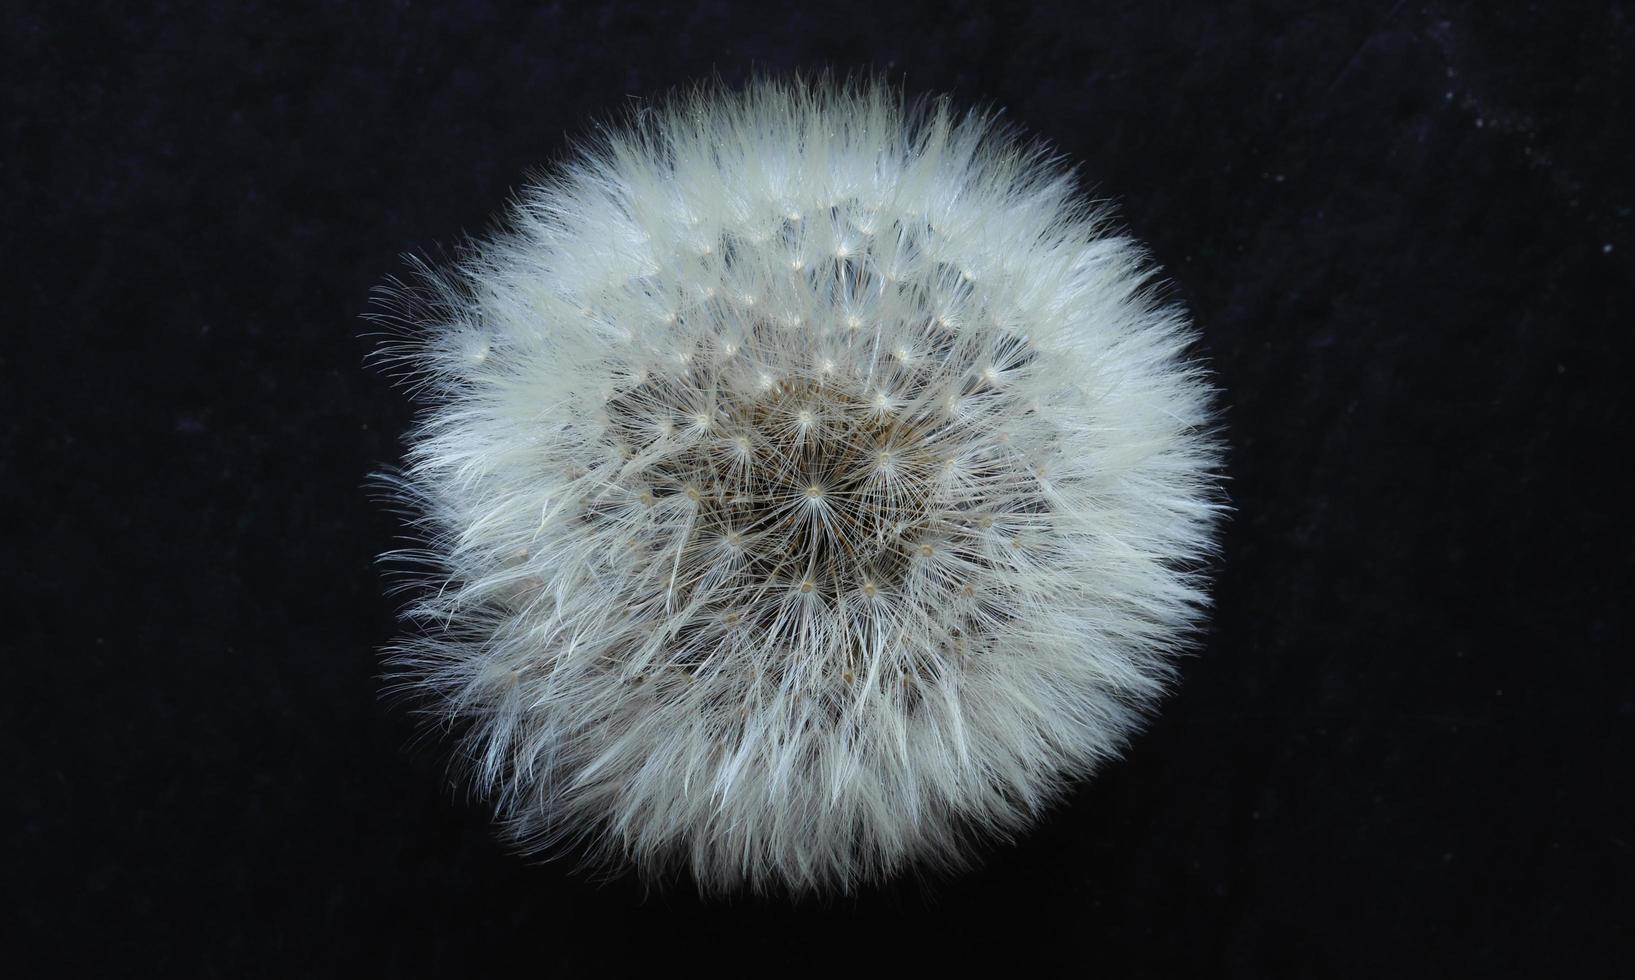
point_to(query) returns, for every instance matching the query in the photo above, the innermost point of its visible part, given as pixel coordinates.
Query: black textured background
(1404, 229)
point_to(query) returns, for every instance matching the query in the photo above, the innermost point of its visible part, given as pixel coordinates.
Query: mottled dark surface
(1405, 747)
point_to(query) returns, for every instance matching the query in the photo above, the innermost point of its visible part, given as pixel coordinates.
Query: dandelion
(809, 486)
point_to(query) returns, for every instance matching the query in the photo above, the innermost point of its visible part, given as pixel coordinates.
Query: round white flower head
(809, 486)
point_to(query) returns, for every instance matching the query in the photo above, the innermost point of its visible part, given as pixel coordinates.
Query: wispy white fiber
(808, 484)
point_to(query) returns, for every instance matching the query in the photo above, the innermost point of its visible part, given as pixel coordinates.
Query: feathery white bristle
(808, 486)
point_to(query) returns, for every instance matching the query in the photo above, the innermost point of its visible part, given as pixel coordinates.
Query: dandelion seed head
(739, 552)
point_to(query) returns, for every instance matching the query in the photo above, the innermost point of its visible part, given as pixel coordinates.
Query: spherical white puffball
(809, 485)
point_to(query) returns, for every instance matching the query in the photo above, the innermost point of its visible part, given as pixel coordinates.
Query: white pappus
(808, 485)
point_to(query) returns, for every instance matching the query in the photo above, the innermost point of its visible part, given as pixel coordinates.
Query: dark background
(1404, 230)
